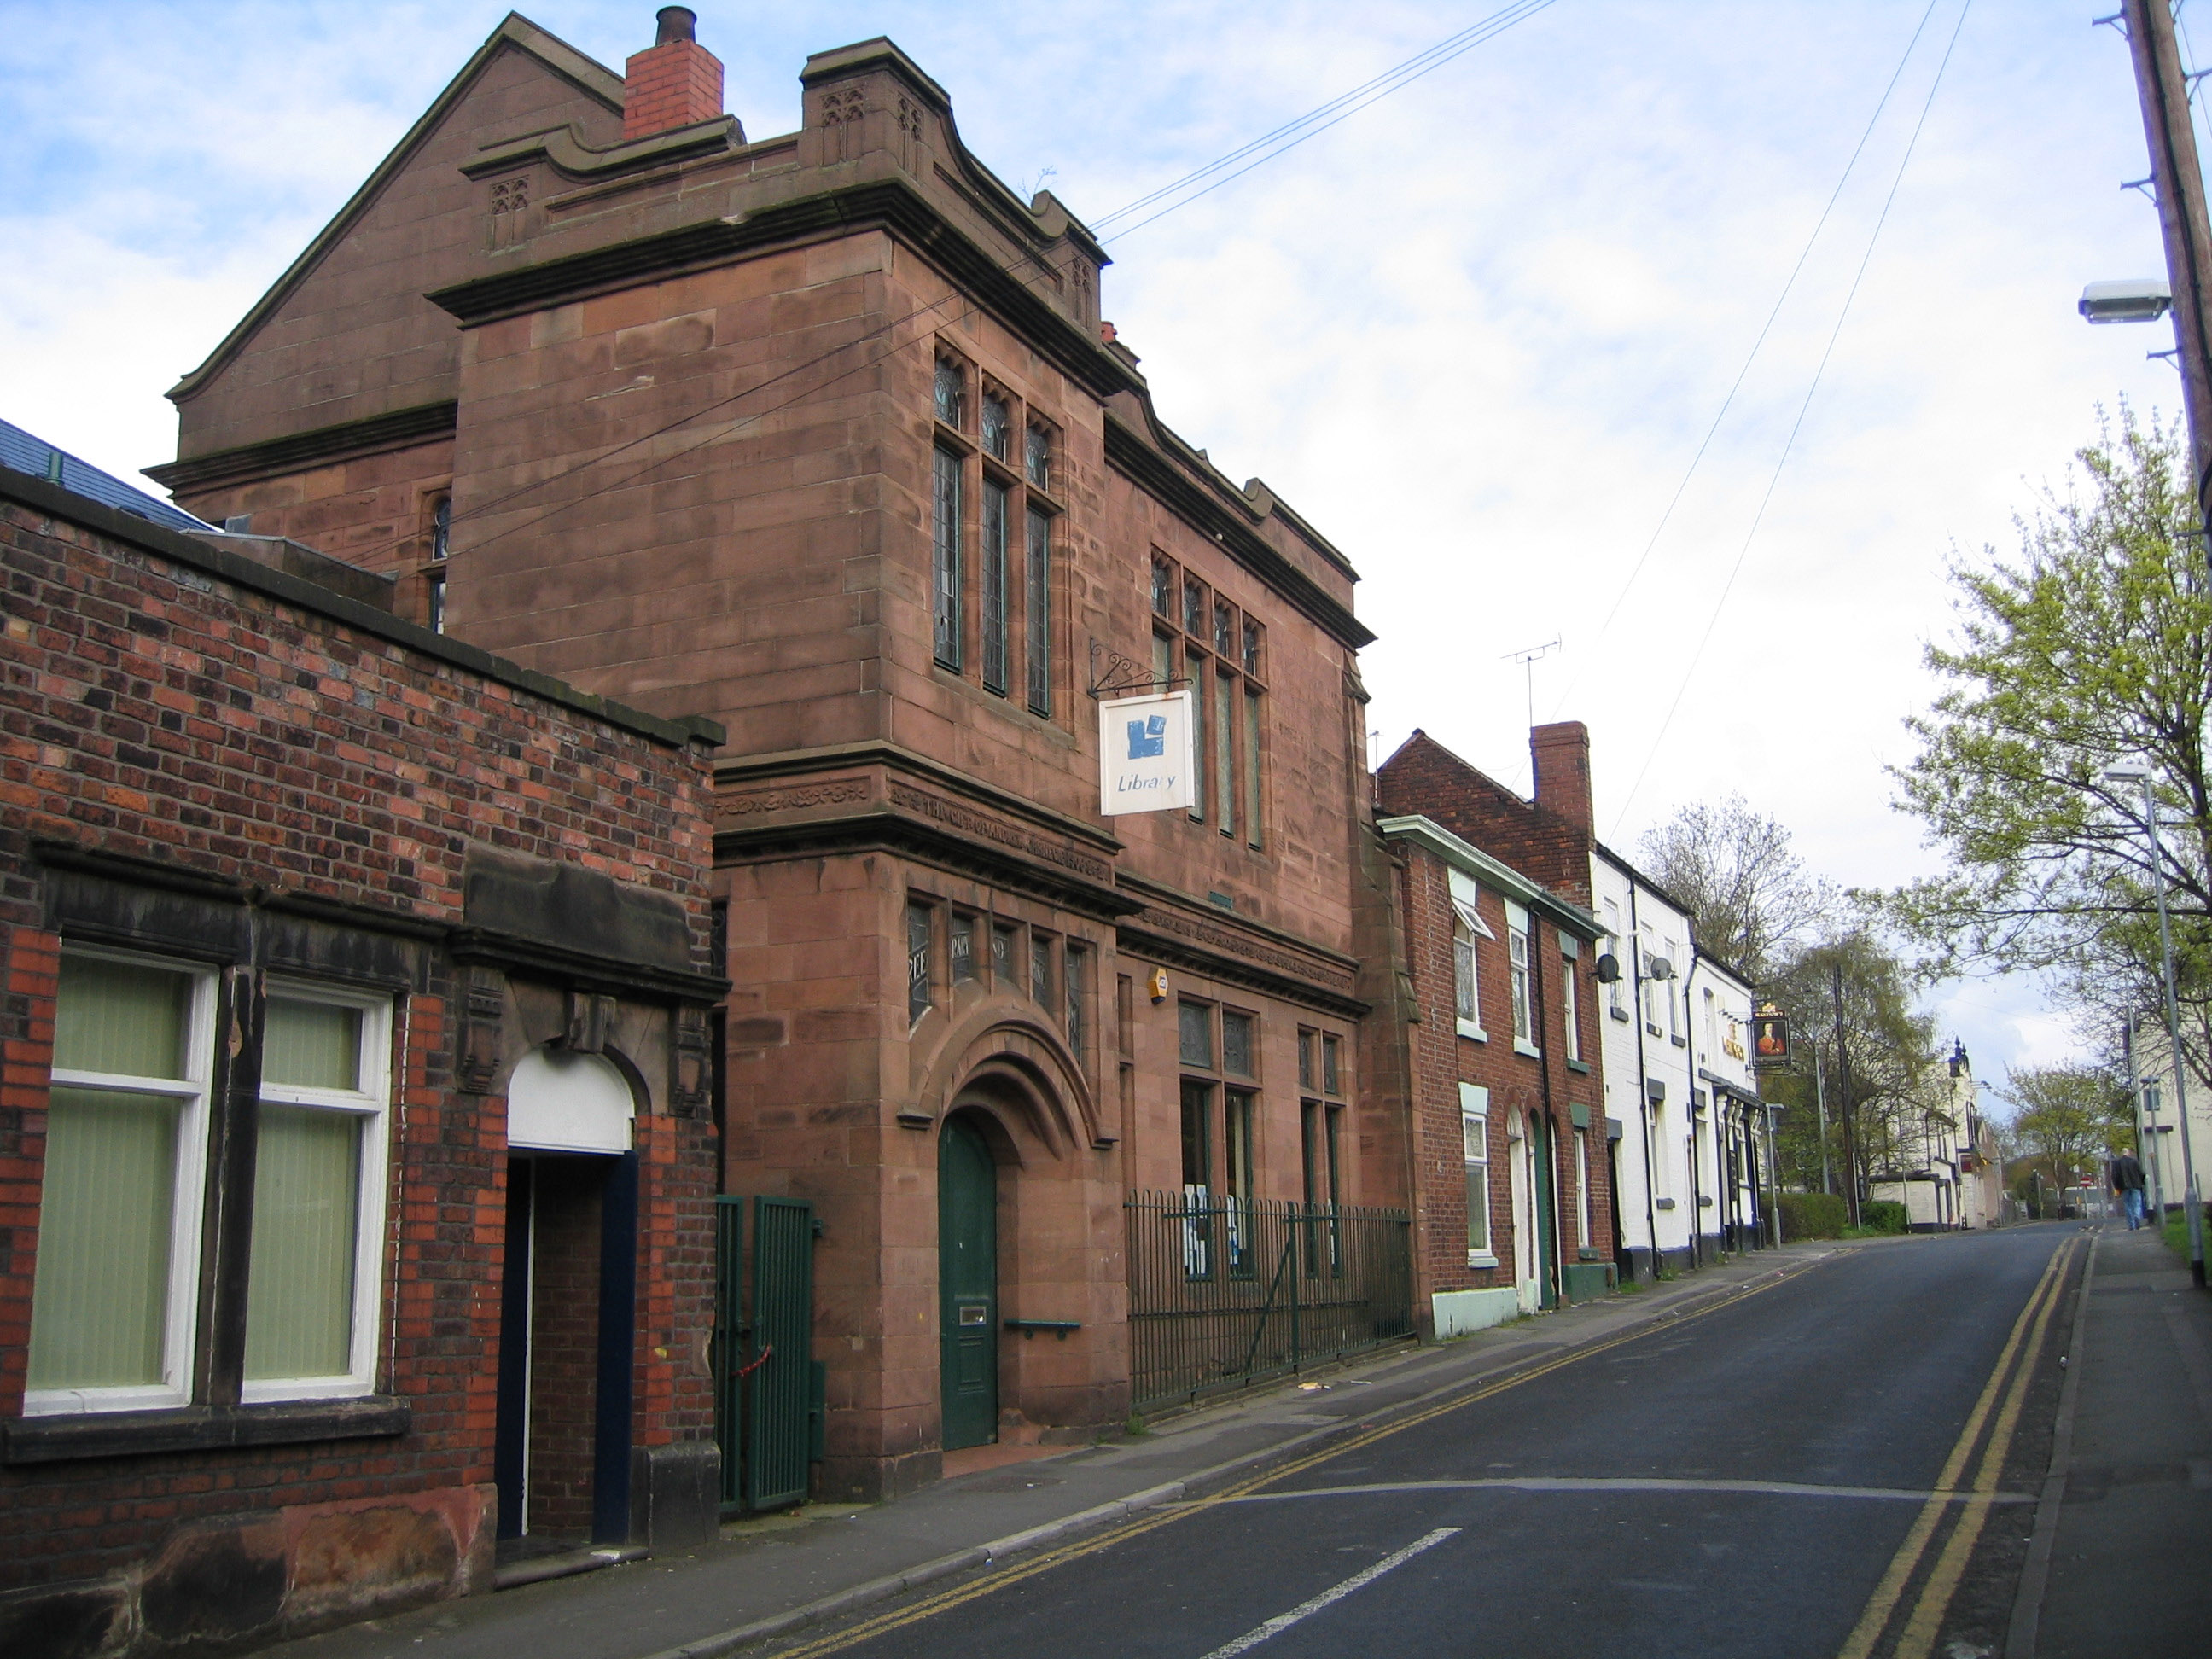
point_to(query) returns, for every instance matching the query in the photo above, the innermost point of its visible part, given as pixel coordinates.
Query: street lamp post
(2190, 1205)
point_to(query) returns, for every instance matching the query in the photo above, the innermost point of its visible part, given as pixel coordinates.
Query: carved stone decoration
(691, 1087)
(510, 202)
(909, 128)
(842, 113)
(484, 1009)
(589, 1019)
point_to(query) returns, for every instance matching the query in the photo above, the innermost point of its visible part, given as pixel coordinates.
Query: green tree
(2091, 648)
(1894, 1070)
(2069, 1119)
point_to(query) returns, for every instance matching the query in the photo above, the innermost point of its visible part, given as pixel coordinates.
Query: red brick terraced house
(1488, 975)
(821, 434)
(356, 1090)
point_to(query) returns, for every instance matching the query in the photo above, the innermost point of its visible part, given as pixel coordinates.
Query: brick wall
(164, 702)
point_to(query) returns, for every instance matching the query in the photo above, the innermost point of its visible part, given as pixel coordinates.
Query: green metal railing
(1224, 1292)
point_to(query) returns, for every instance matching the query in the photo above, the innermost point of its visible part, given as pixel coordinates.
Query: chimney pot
(675, 23)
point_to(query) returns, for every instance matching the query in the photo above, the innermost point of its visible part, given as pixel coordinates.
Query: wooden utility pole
(2179, 187)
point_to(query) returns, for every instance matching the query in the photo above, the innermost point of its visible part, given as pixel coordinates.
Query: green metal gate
(767, 1389)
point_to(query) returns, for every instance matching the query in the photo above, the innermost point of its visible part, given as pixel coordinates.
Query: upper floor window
(1220, 649)
(998, 427)
(1036, 456)
(1467, 926)
(951, 389)
(1516, 944)
(992, 575)
(1571, 997)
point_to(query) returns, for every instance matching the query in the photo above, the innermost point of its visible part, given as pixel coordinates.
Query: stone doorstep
(1646, 1308)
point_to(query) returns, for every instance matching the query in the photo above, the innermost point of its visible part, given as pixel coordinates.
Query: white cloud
(1474, 333)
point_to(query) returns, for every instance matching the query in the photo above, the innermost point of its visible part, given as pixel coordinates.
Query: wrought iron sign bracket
(1125, 675)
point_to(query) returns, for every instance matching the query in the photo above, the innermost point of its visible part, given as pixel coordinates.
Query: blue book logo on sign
(1148, 736)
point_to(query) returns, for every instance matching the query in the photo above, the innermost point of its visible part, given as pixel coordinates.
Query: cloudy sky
(1476, 332)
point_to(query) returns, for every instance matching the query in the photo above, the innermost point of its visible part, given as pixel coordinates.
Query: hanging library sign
(1147, 753)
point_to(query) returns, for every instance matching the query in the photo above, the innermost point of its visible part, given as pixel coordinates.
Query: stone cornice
(879, 804)
(375, 434)
(1155, 473)
(1177, 930)
(895, 205)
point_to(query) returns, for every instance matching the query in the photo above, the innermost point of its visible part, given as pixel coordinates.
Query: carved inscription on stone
(791, 797)
(997, 831)
(1245, 947)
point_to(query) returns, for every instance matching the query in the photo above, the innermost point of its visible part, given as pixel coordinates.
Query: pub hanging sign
(1770, 1039)
(1147, 753)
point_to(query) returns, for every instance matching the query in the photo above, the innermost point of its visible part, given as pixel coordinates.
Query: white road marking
(1283, 1621)
(1575, 1484)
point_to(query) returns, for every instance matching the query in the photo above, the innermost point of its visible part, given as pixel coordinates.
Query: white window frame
(1570, 1002)
(370, 1103)
(1474, 1108)
(180, 1328)
(1465, 895)
(1520, 964)
(1616, 992)
(1581, 1188)
(1673, 1008)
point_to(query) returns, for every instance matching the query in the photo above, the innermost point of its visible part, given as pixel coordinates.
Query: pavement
(781, 1574)
(2122, 1539)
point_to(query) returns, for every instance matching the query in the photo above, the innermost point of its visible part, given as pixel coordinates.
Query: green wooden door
(1547, 1233)
(968, 1284)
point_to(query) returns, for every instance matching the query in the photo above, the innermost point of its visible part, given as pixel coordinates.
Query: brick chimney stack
(675, 84)
(1561, 754)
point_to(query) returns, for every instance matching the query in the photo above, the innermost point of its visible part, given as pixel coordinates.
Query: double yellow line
(930, 1607)
(1917, 1639)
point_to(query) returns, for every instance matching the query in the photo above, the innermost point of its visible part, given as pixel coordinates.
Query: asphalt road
(1748, 1481)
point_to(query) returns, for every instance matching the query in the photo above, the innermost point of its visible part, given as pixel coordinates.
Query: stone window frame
(1218, 649)
(994, 562)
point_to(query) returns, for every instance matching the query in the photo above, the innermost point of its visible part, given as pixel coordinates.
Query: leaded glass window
(1038, 607)
(998, 427)
(993, 617)
(945, 578)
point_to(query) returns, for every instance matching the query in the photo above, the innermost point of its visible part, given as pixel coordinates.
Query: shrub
(1811, 1215)
(1882, 1215)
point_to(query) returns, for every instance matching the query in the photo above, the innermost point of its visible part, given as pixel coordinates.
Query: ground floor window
(117, 1297)
(1474, 1142)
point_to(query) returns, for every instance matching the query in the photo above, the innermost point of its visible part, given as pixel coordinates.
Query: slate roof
(26, 452)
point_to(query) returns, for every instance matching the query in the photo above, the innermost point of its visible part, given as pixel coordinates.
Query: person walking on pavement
(2127, 1182)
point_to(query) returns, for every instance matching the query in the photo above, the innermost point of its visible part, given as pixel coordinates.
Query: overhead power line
(1720, 602)
(1620, 596)
(1256, 153)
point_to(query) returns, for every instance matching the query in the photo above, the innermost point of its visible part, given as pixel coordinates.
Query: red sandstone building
(821, 434)
(1495, 1044)
(356, 1137)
